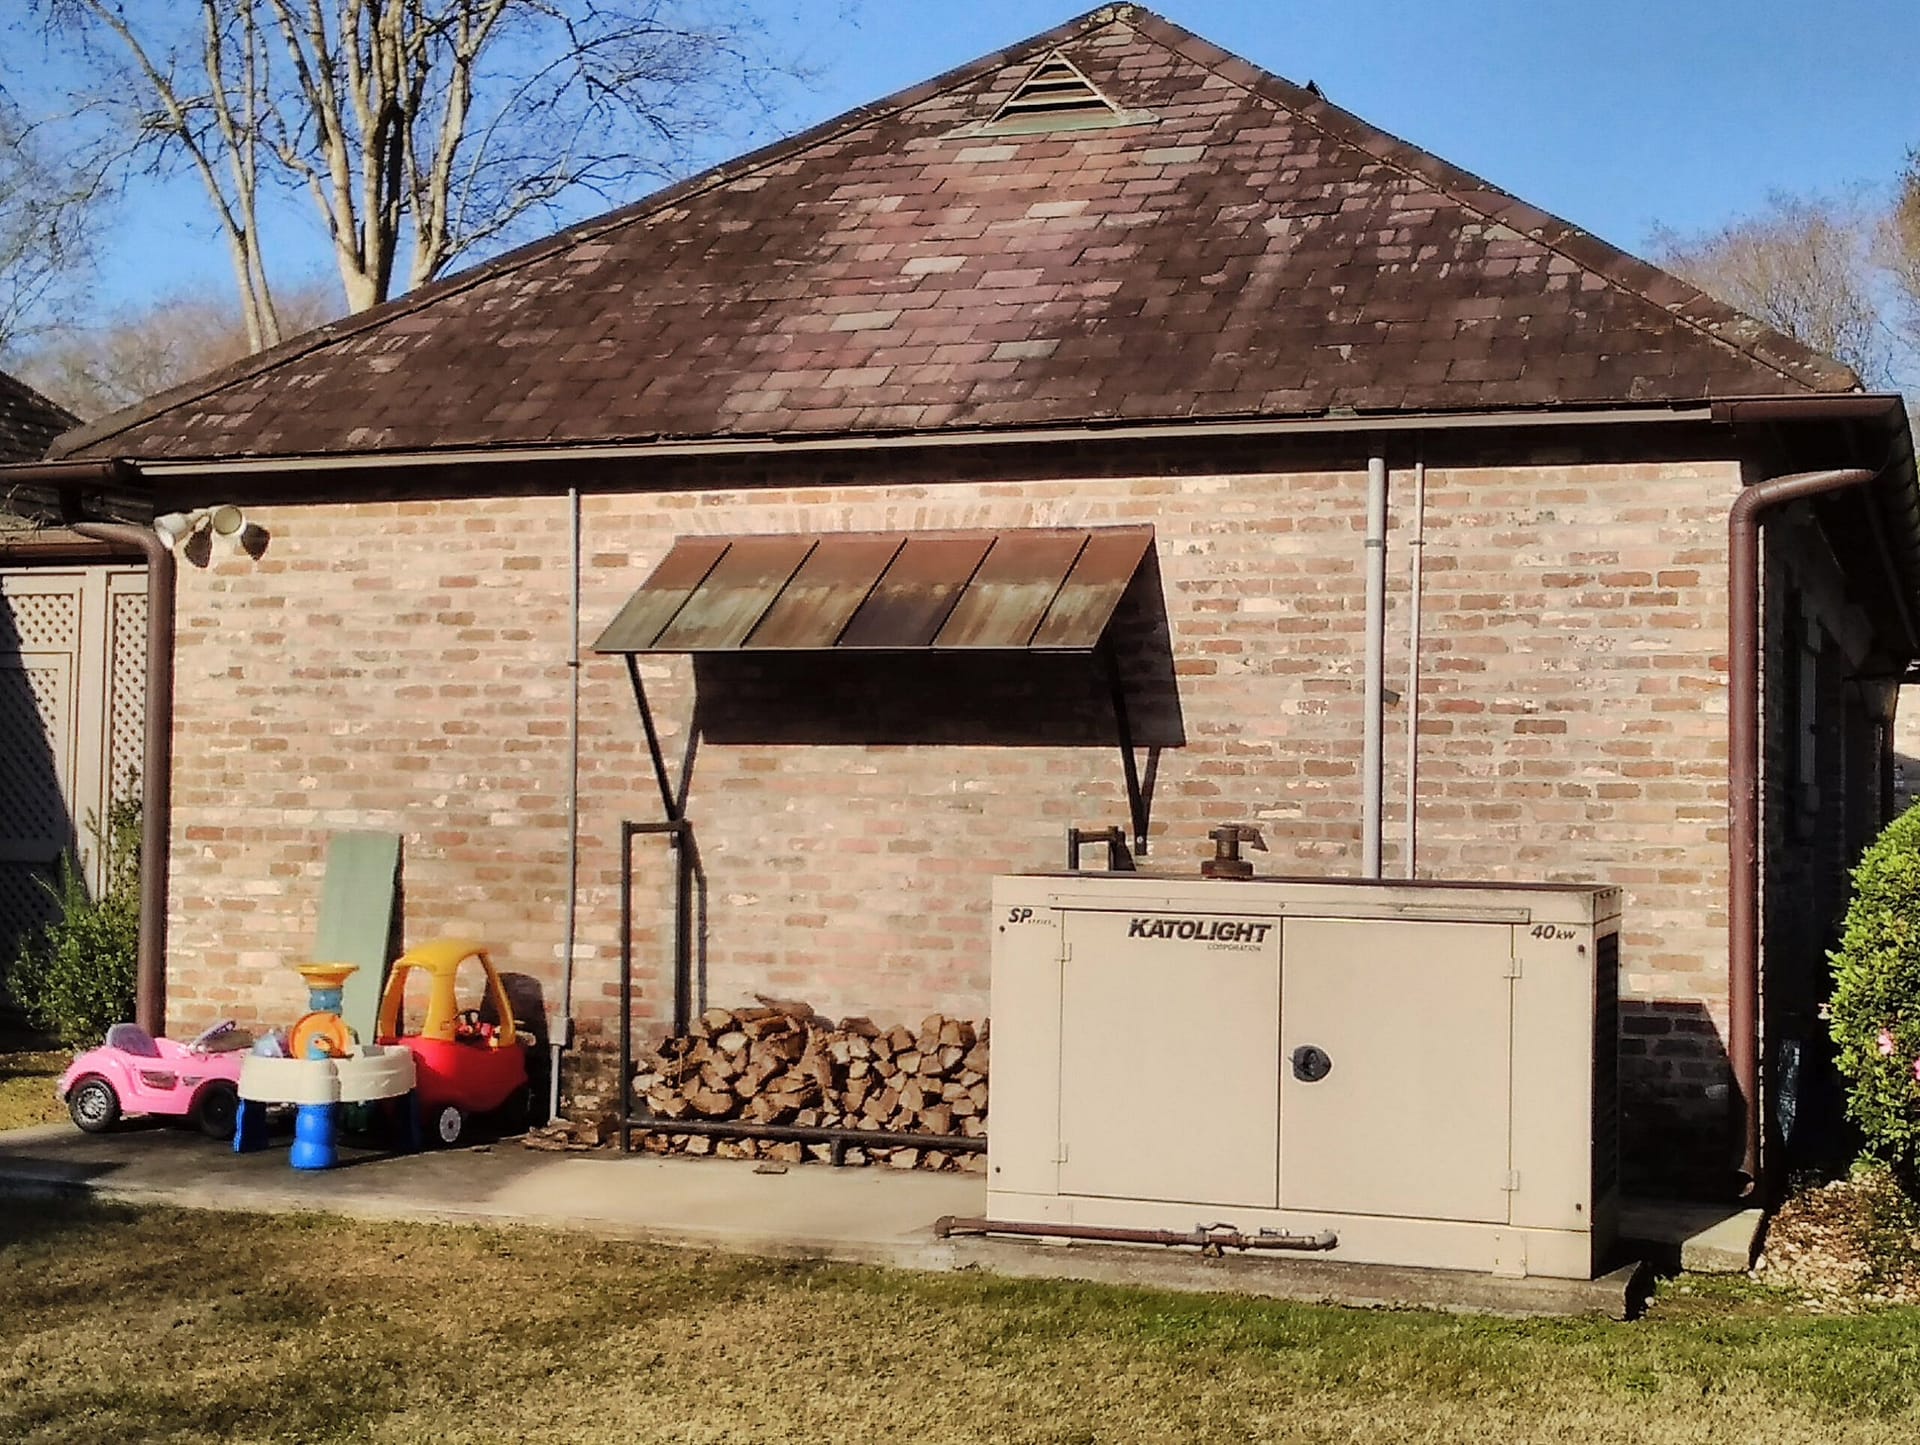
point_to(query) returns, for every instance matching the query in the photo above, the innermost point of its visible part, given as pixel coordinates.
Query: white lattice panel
(37, 620)
(126, 693)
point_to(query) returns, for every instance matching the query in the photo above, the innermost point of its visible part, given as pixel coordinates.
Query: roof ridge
(1691, 304)
(732, 169)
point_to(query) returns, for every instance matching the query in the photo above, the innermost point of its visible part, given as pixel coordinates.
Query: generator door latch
(1226, 861)
(1311, 1064)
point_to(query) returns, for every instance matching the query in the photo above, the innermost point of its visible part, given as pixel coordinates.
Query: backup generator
(1404, 1073)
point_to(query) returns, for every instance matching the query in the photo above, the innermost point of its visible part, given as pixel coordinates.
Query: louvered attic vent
(1055, 96)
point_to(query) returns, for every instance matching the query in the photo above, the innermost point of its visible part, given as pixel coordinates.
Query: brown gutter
(1853, 406)
(84, 471)
(156, 773)
(1743, 777)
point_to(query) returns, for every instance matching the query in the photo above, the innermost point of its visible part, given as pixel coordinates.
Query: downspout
(1419, 548)
(156, 773)
(564, 1041)
(1371, 763)
(1745, 633)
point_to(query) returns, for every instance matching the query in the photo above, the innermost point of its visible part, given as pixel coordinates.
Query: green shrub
(75, 976)
(1876, 996)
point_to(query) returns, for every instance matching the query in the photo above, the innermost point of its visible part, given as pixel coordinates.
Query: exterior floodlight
(173, 528)
(226, 521)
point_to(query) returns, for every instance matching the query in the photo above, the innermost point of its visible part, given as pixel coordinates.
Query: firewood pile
(780, 1063)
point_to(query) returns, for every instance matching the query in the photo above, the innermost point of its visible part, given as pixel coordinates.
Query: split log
(777, 1062)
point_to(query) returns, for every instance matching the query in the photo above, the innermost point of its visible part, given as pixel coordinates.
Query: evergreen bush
(1876, 997)
(74, 977)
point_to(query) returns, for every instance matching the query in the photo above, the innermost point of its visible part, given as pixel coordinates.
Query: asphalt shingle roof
(28, 421)
(1249, 250)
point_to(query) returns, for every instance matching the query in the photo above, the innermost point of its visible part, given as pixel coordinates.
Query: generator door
(1168, 1030)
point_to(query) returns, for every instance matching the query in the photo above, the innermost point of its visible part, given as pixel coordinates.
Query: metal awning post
(667, 800)
(680, 837)
(1123, 728)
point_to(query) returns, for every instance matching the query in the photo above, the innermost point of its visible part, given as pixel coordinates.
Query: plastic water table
(327, 1069)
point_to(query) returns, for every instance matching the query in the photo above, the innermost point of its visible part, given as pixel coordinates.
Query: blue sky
(1616, 114)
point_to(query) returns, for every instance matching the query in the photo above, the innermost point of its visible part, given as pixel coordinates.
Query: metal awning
(1026, 590)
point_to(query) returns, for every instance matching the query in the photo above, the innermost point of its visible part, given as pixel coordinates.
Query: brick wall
(403, 664)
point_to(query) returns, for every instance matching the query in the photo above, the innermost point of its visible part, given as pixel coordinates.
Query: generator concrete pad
(1305, 1279)
(873, 1216)
(1697, 1238)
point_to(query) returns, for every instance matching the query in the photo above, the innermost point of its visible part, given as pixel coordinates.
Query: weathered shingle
(1250, 250)
(28, 421)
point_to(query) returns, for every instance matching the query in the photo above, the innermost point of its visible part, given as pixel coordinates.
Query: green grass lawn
(160, 1325)
(26, 1088)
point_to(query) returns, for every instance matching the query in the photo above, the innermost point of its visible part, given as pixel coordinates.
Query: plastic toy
(135, 1073)
(317, 1067)
(322, 1025)
(316, 1086)
(466, 1064)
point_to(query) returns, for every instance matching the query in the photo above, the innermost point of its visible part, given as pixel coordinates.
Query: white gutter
(1028, 436)
(1371, 765)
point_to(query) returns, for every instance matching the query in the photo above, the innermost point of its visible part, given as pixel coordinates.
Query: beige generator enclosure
(1410, 1073)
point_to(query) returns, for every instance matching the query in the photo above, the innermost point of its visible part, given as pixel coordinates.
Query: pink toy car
(135, 1073)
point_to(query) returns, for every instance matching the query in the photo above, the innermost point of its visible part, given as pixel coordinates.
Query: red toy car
(464, 1064)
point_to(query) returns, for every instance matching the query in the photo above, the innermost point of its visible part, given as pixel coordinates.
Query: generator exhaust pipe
(1745, 634)
(1209, 1239)
(1372, 749)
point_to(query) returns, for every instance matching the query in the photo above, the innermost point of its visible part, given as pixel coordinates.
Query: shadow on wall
(37, 696)
(1676, 1102)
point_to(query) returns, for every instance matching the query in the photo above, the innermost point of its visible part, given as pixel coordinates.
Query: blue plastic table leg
(314, 1137)
(410, 1106)
(249, 1126)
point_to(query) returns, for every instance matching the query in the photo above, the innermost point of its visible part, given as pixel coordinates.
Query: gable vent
(1056, 96)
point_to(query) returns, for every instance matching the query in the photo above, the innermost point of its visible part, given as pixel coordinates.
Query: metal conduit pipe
(558, 1045)
(1372, 762)
(1418, 545)
(156, 771)
(1745, 635)
(1208, 1238)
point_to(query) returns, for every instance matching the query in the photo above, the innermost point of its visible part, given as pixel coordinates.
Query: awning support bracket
(675, 806)
(1123, 728)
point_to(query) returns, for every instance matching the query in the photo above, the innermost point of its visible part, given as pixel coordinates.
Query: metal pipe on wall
(1746, 633)
(1372, 751)
(557, 1046)
(1418, 544)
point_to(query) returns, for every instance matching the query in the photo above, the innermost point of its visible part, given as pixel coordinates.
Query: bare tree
(131, 354)
(1803, 265)
(423, 128)
(48, 212)
(1901, 249)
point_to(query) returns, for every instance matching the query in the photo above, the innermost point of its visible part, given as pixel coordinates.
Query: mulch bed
(1852, 1244)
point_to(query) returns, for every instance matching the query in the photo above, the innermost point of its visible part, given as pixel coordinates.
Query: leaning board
(356, 919)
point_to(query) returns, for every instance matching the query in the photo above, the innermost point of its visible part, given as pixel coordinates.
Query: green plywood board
(356, 918)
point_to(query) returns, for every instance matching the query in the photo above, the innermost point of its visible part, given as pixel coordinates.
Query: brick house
(1110, 278)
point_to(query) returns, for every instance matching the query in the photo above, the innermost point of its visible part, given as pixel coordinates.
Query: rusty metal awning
(1026, 590)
